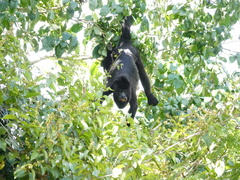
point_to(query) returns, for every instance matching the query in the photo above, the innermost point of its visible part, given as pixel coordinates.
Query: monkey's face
(122, 91)
(121, 97)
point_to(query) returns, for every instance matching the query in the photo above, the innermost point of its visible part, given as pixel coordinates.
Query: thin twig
(182, 140)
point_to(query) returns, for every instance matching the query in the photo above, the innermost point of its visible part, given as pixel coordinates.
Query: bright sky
(231, 46)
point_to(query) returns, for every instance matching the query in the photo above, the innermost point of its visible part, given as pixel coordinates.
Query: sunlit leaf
(9, 116)
(32, 94)
(85, 125)
(198, 90)
(219, 168)
(94, 69)
(116, 172)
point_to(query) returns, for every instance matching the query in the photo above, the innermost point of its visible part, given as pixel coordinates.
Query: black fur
(125, 67)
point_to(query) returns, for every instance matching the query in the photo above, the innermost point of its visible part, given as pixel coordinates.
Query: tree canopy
(52, 123)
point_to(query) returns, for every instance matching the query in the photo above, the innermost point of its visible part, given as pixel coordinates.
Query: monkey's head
(122, 91)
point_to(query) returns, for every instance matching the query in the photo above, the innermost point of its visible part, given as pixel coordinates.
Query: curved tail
(126, 34)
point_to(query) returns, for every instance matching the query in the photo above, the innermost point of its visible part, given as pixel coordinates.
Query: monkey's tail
(126, 25)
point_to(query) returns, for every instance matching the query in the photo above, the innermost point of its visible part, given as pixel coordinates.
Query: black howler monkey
(125, 67)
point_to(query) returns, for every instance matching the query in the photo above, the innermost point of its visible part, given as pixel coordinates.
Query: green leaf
(73, 44)
(76, 27)
(13, 5)
(143, 7)
(66, 35)
(3, 145)
(64, 2)
(104, 10)
(60, 81)
(32, 94)
(89, 18)
(1, 97)
(34, 155)
(104, 52)
(35, 45)
(173, 67)
(3, 6)
(175, 9)
(19, 173)
(144, 25)
(48, 43)
(32, 175)
(73, 41)
(73, 5)
(93, 4)
(59, 50)
(31, 16)
(11, 156)
(119, 10)
(172, 76)
(94, 69)
(9, 116)
(63, 44)
(207, 139)
(97, 30)
(51, 15)
(218, 15)
(23, 3)
(2, 131)
(85, 125)
(70, 12)
(95, 53)
(197, 101)
(169, 7)
(159, 83)
(165, 43)
(138, 171)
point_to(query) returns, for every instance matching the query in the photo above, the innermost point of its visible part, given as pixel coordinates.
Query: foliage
(52, 124)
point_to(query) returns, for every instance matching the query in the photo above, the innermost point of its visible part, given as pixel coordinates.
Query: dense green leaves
(52, 125)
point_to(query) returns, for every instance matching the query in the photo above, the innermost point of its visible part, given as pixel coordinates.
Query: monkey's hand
(152, 100)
